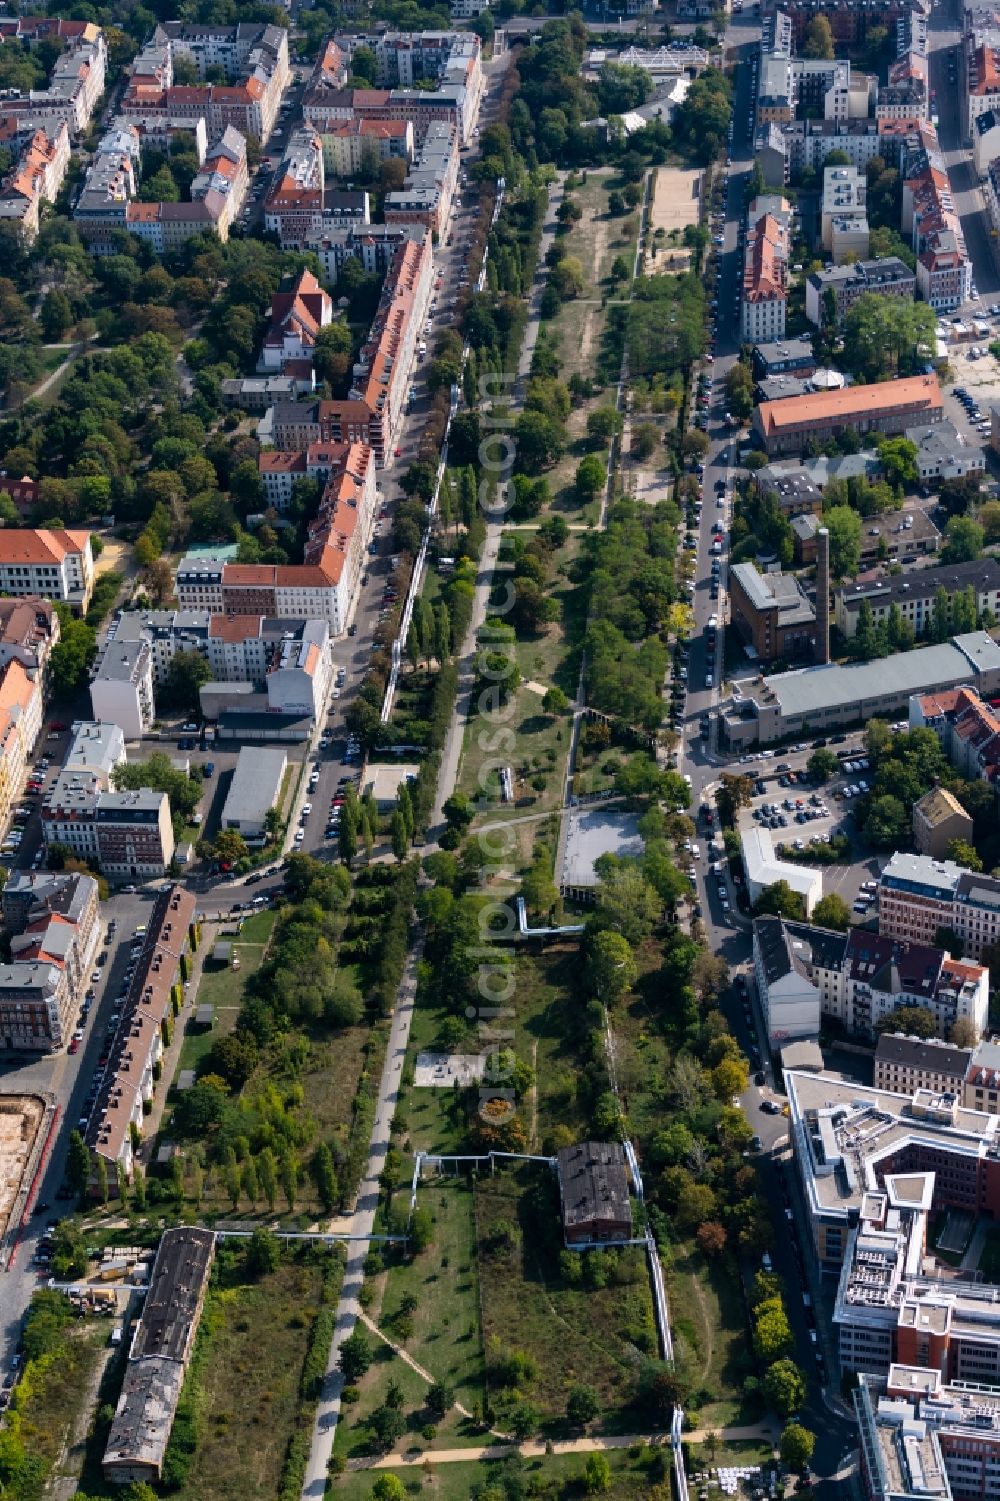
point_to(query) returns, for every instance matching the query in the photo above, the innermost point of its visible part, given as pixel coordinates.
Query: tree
(230, 846)
(887, 822)
(819, 39)
(458, 810)
(597, 1474)
(56, 315)
(886, 336)
(964, 854)
(187, 673)
(797, 1445)
(611, 969)
(440, 1399)
(711, 1238)
(730, 1078)
(627, 904)
(583, 1405)
(555, 701)
(844, 526)
(822, 765)
(913, 1021)
(740, 391)
(603, 424)
(388, 1426)
(355, 1356)
(963, 540)
(78, 1163)
(779, 900)
(831, 911)
(541, 441)
(784, 1387)
(388, 1488)
(645, 440)
(263, 1253)
(590, 479)
(963, 1032)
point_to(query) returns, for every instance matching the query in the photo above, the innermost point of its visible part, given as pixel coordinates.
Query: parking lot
(798, 813)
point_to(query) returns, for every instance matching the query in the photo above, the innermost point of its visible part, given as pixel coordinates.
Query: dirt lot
(675, 205)
(20, 1119)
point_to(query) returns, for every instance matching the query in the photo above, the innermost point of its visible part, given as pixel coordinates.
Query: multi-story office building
(844, 214)
(922, 1436)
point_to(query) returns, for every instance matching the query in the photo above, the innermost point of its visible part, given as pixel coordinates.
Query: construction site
(24, 1124)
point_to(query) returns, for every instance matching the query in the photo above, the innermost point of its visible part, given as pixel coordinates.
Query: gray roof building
(254, 791)
(593, 1187)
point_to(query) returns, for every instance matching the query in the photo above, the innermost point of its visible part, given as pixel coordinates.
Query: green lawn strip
(708, 1315)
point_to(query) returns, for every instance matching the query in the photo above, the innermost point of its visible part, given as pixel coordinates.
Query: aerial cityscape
(500, 751)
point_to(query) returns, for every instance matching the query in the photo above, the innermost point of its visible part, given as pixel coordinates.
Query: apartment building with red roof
(944, 269)
(56, 564)
(35, 179)
(299, 309)
(325, 584)
(765, 295)
(967, 727)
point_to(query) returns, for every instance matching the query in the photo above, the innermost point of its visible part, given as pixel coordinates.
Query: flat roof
(809, 689)
(256, 784)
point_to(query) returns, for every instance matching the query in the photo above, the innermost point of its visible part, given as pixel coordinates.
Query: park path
(406, 1358)
(534, 1449)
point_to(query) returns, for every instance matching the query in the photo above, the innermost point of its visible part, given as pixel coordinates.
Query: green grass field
(443, 1335)
(633, 1473)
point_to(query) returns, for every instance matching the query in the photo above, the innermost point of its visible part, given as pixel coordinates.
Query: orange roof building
(786, 426)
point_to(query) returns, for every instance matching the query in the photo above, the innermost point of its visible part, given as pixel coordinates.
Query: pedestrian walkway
(762, 1433)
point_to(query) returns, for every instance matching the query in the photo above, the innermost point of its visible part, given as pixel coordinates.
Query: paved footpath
(756, 1433)
(349, 1307)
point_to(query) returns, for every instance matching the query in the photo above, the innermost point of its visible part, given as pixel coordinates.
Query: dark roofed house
(905, 1064)
(593, 1189)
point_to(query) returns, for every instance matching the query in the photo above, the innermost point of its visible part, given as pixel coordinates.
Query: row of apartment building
(76, 82)
(253, 56)
(37, 174)
(128, 835)
(53, 926)
(153, 998)
(279, 668)
(325, 585)
(804, 974)
(373, 410)
(108, 200)
(407, 64)
(967, 727)
(764, 291)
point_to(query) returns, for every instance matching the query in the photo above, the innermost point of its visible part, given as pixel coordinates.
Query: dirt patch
(675, 204)
(114, 558)
(20, 1120)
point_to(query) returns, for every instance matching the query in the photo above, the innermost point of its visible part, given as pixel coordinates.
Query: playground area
(675, 204)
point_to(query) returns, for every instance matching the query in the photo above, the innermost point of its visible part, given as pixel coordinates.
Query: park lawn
(541, 740)
(446, 1337)
(547, 1026)
(633, 1471)
(575, 1333)
(251, 1344)
(707, 1313)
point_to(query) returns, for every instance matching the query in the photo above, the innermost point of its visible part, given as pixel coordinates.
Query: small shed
(205, 1017)
(185, 1079)
(222, 952)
